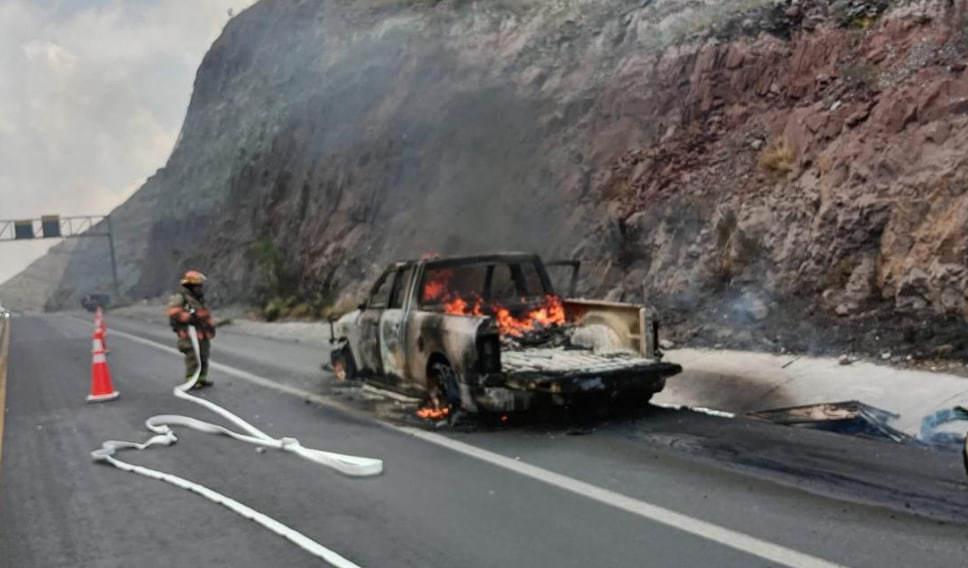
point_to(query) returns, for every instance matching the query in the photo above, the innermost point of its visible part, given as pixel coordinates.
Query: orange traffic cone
(100, 326)
(98, 340)
(101, 388)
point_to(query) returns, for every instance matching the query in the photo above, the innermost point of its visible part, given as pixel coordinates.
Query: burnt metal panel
(851, 417)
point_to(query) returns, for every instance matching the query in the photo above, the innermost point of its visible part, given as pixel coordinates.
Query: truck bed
(563, 371)
(568, 361)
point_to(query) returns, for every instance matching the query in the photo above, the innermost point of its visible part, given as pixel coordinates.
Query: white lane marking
(685, 523)
(699, 409)
(709, 531)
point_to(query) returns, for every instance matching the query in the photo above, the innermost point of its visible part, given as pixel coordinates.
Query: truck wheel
(343, 365)
(443, 392)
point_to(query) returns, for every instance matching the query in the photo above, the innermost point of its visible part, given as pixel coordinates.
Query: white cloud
(57, 59)
(92, 96)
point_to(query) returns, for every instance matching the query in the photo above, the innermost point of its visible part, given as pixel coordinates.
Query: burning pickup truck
(488, 334)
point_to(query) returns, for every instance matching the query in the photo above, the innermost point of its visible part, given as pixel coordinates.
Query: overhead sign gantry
(58, 227)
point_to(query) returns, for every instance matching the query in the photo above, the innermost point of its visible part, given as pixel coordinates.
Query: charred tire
(443, 390)
(344, 367)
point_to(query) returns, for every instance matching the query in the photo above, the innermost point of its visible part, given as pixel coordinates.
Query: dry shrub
(301, 311)
(777, 158)
(343, 305)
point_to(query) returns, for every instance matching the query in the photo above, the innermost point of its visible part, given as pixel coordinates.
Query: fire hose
(161, 424)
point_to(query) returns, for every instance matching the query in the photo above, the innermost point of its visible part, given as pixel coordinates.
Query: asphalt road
(539, 494)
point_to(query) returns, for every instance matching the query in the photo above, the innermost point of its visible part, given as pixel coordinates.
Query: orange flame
(459, 306)
(436, 289)
(428, 413)
(551, 313)
(456, 306)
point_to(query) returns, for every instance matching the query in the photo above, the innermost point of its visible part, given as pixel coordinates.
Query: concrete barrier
(740, 382)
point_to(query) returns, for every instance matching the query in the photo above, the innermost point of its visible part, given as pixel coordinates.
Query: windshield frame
(490, 261)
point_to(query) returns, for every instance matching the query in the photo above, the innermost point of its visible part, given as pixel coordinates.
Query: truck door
(393, 352)
(370, 362)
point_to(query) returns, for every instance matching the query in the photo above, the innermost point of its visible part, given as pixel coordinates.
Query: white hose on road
(161, 426)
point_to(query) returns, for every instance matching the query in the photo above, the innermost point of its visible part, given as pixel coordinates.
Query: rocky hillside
(784, 174)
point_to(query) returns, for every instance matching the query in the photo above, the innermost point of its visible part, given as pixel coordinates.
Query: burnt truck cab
(488, 333)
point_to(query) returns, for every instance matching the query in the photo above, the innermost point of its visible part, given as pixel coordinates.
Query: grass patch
(278, 308)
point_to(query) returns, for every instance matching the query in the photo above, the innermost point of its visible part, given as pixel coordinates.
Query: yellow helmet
(193, 277)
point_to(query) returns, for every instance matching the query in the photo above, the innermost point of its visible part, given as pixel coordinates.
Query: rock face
(787, 174)
(824, 172)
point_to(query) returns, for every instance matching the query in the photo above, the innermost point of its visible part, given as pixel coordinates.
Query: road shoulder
(4, 353)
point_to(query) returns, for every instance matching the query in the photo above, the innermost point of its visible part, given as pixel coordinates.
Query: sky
(92, 97)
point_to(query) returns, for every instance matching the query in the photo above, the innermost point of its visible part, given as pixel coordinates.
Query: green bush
(278, 308)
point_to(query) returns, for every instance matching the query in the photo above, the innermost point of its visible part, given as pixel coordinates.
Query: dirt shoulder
(235, 319)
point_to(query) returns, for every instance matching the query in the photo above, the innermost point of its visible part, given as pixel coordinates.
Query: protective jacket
(185, 309)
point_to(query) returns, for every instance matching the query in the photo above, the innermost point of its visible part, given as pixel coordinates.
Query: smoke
(351, 134)
(387, 143)
(97, 94)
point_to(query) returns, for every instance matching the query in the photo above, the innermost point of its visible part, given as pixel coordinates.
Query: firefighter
(187, 307)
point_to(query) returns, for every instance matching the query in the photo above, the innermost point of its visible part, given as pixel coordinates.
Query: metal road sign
(57, 227)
